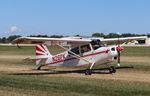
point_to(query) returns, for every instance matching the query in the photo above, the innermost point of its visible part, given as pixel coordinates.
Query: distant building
(148, 41)
(145, 41)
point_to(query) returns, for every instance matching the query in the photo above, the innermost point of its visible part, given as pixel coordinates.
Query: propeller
(119, 49)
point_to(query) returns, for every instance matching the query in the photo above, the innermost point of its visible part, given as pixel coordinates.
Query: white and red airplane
(81, 51)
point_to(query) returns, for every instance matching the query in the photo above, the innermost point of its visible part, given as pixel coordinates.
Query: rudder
(42, 54)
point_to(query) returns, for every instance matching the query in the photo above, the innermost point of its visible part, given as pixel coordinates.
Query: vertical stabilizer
(42, 54)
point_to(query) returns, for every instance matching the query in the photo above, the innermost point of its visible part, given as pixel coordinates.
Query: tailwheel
(39, 68)
(88, 72)
(112, 69)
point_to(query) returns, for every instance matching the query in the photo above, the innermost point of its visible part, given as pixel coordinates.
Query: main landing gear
(88, 72)
(112, 69)
(39, 68)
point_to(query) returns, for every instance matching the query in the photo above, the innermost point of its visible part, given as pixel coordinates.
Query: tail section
(43, 55)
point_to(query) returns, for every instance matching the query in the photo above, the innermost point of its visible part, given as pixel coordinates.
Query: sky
(73, 17)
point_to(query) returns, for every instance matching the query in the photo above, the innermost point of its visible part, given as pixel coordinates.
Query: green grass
(28, 50)
(37, 85)
(138, 66)
(25, 50)
(16, 62)
(136, 51)
(13, 50)
(82, 87)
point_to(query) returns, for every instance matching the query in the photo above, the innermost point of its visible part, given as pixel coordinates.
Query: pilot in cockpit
(97, 44)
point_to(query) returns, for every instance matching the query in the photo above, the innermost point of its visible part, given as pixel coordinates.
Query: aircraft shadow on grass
(48, 71)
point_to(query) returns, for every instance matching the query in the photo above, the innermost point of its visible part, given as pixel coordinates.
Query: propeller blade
(119, 49)
(118, 60)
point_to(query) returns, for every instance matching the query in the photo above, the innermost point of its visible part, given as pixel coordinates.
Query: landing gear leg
(111, 69)
(89, 71)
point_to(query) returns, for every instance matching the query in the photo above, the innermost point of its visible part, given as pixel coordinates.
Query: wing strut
(87, 71)
(75, 55)
(92, 65)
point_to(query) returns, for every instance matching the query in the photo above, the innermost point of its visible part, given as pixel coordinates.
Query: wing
(112, 41)
(51, 41)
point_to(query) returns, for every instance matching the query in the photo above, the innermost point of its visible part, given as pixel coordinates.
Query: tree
(98, 35)
(112, 35)
(148, 35)
(11, 38)
(56, 36)
(4, 40)
(38, 36)
(77, 35)
(128, 35)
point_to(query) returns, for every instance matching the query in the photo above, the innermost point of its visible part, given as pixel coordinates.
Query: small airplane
(79, 52)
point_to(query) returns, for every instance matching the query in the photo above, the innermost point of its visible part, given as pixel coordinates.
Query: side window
(85, 48)
(75, 50)
(97, 44)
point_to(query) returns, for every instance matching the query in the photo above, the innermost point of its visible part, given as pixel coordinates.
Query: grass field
(126, 82)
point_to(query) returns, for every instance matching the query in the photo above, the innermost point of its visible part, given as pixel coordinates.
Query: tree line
(97, 34)
(11, 38)
(115, 35)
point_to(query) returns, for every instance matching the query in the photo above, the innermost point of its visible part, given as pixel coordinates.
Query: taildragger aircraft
(81, 51)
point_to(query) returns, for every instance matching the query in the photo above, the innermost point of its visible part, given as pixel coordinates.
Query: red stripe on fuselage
(80, 57)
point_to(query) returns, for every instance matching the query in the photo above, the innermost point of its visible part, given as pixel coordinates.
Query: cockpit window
(82, 49)
(75, 50)
(85, 48)
(97, 44)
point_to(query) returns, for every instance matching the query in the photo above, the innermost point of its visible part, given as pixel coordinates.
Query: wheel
(88, 72)
(39, 68)
(112, 69)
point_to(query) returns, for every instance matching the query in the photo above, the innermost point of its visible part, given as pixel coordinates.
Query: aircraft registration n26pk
(81, 51)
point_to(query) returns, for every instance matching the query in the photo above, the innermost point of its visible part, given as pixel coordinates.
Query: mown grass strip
(83, 86)
(30, 50)
(138, 66)
(136, 51)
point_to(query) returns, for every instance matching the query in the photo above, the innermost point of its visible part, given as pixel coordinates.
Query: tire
(39, 68)
(88, 72)
(112, 69)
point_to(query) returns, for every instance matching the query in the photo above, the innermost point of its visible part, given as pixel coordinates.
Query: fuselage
(83, 55)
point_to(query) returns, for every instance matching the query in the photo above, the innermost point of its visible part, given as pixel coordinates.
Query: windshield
(85, 48)
(97, 44)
